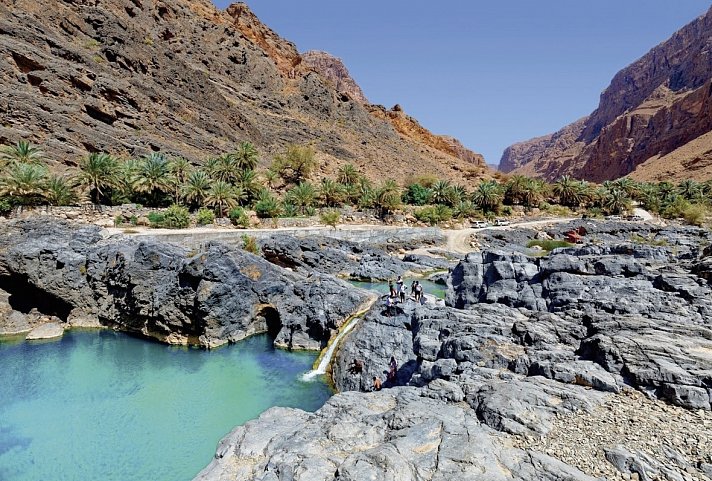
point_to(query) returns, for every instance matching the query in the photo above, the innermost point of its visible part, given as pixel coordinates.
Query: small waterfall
(326, 359)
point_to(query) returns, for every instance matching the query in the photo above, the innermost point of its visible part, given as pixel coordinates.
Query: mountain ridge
(650, 111)
(137, 76)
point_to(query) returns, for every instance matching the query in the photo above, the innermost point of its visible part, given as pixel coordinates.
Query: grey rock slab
(51, 330)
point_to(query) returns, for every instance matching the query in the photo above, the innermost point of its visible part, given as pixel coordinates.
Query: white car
(479, 224)
(501, 222)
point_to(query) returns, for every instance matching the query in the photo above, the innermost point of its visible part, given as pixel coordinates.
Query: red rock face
(651, 111)
(132, 77)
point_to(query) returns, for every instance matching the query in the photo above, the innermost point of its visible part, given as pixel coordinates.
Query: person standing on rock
(399, 285)
(412, 288)
(401, 293)
(418, 291)
(377, 383)
(391, 289)
(393, 369)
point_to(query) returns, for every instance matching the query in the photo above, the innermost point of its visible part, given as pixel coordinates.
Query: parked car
(634, 218)
(613, 217)
(479, 224)
(500, 222)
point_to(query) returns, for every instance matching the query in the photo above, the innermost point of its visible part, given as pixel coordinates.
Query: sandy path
(459, 240)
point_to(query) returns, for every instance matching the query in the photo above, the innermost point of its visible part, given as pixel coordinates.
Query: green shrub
(695, 214)
(5, 207)
(156, 219)
(249, 244)
(507, 210)
(289, 210)
(205, 217)
(133, 220)
(434, 214)
(176, 217)
(331, 217)
(238, 217)
(650, 240)
(549, 245)
(416, 194)
(118, 220)
(267, 207)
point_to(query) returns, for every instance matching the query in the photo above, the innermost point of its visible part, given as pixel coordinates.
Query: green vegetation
(206, 216)
(434, 214)
(549, 245)
(249, 244)
(238, 217)
(650, 240)
(231, 183)
(331, 218)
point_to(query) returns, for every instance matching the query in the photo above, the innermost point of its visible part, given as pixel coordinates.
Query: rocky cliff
(653, 121)
(132, 77)
(333, 69)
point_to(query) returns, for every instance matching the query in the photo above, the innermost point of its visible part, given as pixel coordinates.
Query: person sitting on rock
(377, 383)
(422, 299)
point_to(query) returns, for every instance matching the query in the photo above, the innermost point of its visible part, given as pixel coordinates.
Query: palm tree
(302, 196)
(488, 196)
(246, 156)
(223, 168)
(179, 169)
(348, 175)
(25, 182)
(387, 197)
(60, 191)
(98, 173)
(222, 197)
(154, 177)
(331, 193)
(247, 181)
(615, 201)
(270, 178)
(515, 188)
(196, 187)
(690, 190)
(571, 192)
(627, 185)
(531, 192)
(440, 192)
(22, 152)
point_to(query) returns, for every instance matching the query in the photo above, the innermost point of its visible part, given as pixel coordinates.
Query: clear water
(106, 406)
(429, 287)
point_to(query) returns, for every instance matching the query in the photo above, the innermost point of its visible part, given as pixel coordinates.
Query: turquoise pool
(106, 406)
(429, 287)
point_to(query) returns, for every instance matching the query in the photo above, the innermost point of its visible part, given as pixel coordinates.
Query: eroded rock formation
(653, 121)
(527, 374)
(53, 272)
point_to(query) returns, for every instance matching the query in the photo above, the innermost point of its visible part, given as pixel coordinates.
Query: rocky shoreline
(540, 368)
(591, 362)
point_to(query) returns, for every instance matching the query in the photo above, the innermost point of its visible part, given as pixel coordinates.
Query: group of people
(356, 367)
(397, 293)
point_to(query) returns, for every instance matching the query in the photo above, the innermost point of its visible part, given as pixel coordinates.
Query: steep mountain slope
(652, 121)
(135, 76)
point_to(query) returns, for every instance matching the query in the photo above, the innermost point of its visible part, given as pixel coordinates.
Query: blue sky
(490, 73)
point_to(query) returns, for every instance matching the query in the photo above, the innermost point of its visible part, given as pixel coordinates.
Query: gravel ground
(666, 442)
